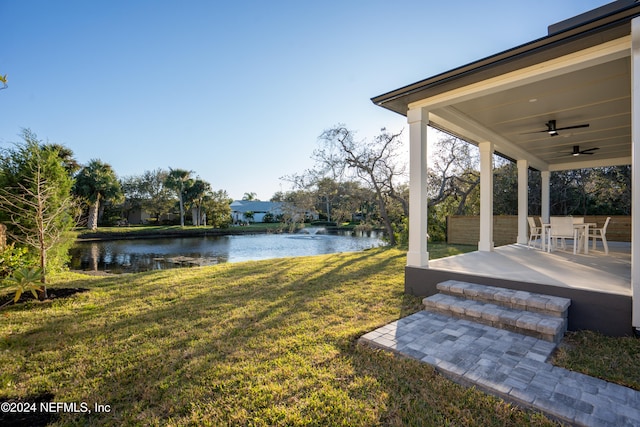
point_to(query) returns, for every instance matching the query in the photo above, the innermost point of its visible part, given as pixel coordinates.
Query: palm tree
(176, 180)
(95, 182)
(66, 156)
(196, 193)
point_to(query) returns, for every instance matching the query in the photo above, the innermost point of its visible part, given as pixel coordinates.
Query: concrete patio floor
(609, 273)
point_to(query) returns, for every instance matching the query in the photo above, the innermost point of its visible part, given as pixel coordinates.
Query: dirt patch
(52, 294)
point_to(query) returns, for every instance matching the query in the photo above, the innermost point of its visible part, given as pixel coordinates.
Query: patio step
(537, 315)
(522, 300)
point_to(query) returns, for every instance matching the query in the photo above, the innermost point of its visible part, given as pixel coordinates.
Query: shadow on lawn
(52, 294)
(216, 343)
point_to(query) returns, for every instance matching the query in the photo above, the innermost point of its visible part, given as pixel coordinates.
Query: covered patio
(566, 101)
(592, 272)
(599, 286)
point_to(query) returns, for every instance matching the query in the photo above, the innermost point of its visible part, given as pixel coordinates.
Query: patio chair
(561, 229)
(535, 232)
(601, 233)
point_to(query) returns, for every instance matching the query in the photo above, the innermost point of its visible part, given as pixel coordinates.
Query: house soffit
(582, 79)
(513, 115)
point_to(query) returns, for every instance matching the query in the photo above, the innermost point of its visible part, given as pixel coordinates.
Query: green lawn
(252, 344)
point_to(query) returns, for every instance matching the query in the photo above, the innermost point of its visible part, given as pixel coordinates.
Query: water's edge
(205, 232)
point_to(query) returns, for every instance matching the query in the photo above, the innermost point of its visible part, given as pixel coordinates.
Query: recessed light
(533, 99)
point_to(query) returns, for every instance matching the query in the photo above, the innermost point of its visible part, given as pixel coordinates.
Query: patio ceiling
(598, 96)
(578, 75)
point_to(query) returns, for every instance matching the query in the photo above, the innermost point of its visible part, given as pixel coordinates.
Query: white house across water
(258, 209)
(516, 103)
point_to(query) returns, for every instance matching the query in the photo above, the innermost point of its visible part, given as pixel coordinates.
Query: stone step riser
(537, 315)
(548, 328)
(519, 300)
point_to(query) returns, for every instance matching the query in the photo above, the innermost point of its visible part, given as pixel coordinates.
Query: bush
(402, 233)
(25, 279)
(268, 218)
(58, 257)
(13, 258)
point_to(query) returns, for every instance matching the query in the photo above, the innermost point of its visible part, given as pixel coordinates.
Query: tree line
(367, 178)
(44, 192)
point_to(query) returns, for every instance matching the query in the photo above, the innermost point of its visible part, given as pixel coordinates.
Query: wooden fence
(465, 230)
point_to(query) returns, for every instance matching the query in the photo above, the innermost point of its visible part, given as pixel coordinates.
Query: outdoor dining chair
(535, 232)
(561, 228)
(601, 233)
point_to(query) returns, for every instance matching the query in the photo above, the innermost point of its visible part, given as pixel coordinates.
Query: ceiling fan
(578, 152)
(552, 130)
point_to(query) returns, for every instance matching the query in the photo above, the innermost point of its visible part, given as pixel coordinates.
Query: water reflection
(123, 256)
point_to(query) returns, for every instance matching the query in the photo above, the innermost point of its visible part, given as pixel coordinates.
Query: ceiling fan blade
(572, 127)
(552, 130)
(589, 150)
(578, 152)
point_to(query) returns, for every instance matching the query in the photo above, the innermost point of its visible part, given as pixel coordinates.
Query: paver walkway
(508, 365)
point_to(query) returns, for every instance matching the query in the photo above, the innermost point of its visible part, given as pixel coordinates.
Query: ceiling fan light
(553, 132)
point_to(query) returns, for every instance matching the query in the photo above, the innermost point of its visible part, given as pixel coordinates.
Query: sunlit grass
(442, 250)
(257, 343)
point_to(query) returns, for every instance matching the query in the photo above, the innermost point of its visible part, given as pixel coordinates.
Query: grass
(612, 359)
(254, 344)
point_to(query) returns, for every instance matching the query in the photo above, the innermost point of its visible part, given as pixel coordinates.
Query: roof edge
(591, 15)
(628, 10)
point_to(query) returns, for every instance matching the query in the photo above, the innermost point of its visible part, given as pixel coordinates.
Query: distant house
(140, 216)
(259, 210)
(137, 216)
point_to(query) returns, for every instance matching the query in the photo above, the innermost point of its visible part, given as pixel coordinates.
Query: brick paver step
(522, 300)
(538, 325)
(508, 365)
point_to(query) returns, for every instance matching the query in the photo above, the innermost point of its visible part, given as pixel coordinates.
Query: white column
(523, 201)
(635, 180)
(417, 256)
(486, 197)
(545, 199)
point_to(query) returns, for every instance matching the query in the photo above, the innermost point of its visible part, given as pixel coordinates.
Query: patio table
(580, 231)
(586, 234)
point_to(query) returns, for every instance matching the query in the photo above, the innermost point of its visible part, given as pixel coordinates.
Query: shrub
(25, 279)
(13, 258)
(269, 218)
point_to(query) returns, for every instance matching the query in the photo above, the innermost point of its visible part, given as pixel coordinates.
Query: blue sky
(236, 91)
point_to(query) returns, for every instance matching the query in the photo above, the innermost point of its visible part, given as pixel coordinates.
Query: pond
(128, 256)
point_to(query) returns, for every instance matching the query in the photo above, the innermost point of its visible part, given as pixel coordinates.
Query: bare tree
(38, 203)
(374, 162)
(454, 172)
